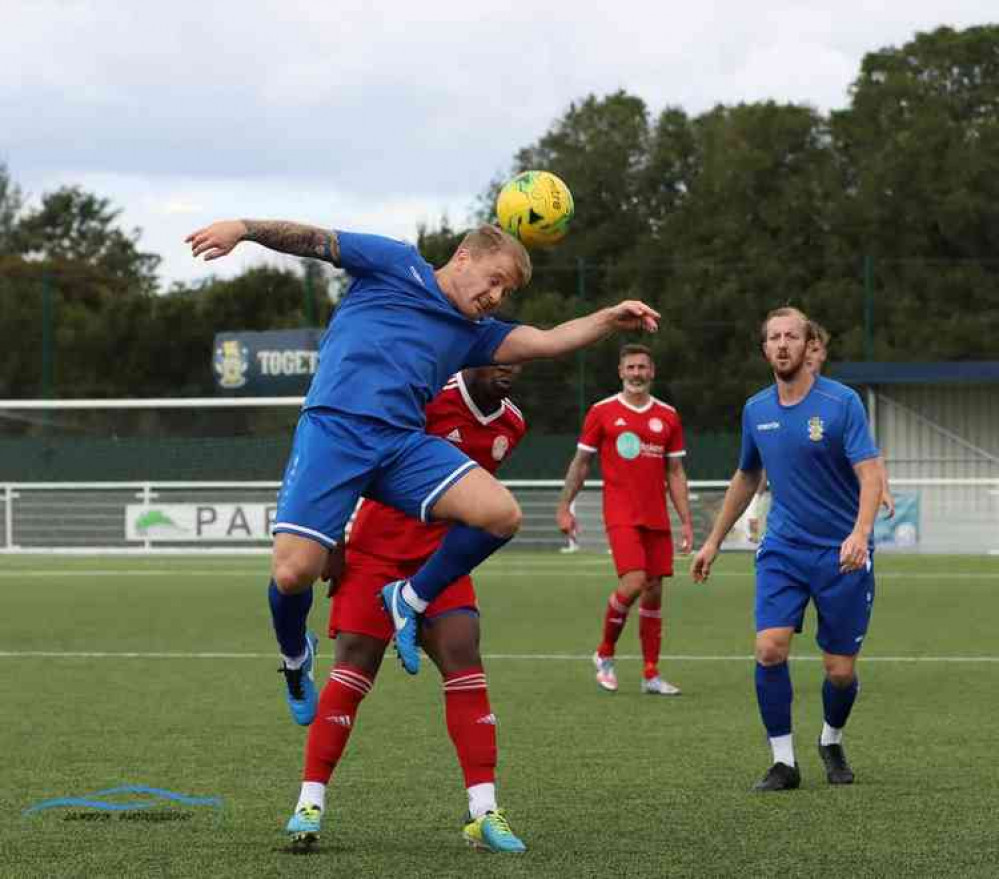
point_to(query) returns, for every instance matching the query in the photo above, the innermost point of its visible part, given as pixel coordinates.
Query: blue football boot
(303, 827)
(302, 698)
(491, 833)
(404, 622)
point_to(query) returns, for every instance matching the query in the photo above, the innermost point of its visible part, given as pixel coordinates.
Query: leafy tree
(11, 204)
(919, 148)
(76, 226)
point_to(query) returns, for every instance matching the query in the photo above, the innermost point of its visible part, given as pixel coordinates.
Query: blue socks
(836, 702)
(289, 613)
(462, 548)
(774, 695)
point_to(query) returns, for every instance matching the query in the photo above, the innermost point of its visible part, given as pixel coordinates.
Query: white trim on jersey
(641, 411)
(445, 483)
(585, 447)
(470, 403)
(510, 405)
(662, 403)
(284, 527)
(610, 399)
(679, 454)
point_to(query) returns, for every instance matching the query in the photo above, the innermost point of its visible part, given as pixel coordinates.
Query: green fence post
(868, 307)
(48, 354)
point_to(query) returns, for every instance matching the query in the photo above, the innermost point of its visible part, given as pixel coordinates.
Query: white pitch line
(493, 657)
(496, 571)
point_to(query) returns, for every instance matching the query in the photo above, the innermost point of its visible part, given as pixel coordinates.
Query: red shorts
(641, 549)
(357, 606)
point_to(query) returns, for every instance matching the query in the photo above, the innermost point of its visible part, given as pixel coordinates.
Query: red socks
(615, 617)
(650, 633)
(471, 724)
(335, 715)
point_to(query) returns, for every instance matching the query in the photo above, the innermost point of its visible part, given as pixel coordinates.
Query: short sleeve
(857, 441)
(749, 453)
(593, 432)
(362, 255)
(490, 335)
(675, 447)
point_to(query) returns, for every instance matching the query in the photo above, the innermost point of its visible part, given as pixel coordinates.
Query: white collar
(470, 403)
(627, 405)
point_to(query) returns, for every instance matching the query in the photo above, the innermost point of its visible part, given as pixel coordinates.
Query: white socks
(313, 794)
(783, 749)
(293, 664)
(831, 735)
(412, 599)
(481, 799)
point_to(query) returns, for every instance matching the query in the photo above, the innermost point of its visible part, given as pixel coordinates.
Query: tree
(11, 204)
(76, 226)
(920, 151)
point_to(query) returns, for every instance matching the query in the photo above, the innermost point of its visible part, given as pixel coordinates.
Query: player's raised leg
(774, 695)
(452, 642)
(296, 564)
(330, 464)
(358, 658)
(487, 517)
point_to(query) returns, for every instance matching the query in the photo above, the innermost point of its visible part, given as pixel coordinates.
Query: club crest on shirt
(500, 447)
(816, 428)
(628, 446)
(655, 425)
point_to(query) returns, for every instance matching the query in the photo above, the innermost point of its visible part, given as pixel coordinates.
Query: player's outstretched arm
(530, 343)
(296, 239)
(575, 477)
(740, 492)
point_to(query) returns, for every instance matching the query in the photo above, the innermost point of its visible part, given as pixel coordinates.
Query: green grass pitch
(597, 785)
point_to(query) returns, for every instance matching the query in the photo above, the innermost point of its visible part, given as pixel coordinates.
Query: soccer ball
(536, 207)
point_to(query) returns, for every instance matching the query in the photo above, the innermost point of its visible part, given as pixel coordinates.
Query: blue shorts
(336, 458)
(788, 574)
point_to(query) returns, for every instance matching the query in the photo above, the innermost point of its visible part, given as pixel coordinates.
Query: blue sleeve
(364, 254)
(749, 453)
(490, 336)
(857, 442)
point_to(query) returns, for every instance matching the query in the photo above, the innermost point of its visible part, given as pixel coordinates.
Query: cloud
(386, 112)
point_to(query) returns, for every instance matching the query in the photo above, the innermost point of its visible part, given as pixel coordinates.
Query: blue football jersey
(809, 450)
(396, 338)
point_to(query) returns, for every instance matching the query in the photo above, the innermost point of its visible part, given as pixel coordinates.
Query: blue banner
(277, 363)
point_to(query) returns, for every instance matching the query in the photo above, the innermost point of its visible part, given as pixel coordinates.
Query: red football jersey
(487, 439)
(633, 445)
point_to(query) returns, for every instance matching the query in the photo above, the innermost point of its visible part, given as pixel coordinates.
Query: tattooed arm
(296, 239)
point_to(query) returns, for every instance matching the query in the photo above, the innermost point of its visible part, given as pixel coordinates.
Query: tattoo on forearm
(296, 239)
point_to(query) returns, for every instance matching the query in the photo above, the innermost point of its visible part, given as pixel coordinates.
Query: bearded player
(812, 436)
(472, 413)
(640, 443)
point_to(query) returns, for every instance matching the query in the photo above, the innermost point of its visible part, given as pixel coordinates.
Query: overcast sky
(374, 115)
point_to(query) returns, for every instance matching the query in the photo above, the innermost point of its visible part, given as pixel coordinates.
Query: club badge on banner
(276, 363)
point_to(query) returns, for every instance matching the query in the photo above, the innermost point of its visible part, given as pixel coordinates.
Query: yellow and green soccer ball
(535, 207)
